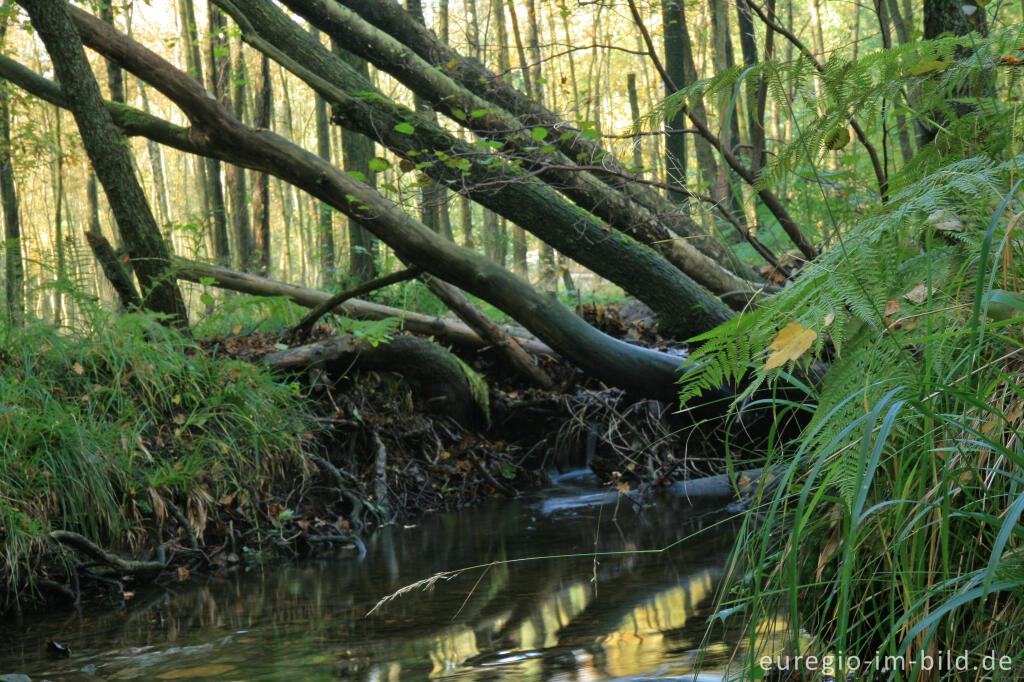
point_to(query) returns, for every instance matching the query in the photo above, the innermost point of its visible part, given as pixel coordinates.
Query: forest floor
(377, 453)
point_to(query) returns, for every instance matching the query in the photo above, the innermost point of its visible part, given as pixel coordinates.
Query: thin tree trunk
(156, 163)
(57, 169)
(261, 182)
(14, 268)
(356, 153)
(217, 67)
(237, 191)
(325, 216)
(194, 62)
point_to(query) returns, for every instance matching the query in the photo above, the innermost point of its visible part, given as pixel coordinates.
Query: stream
(539, 613)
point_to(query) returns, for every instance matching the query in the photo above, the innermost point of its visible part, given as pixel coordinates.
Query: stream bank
(360, 448)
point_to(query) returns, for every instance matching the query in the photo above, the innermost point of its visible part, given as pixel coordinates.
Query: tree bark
(261, 182)
(118, 277)
(356, 153)
(217, 67)
(109, 156)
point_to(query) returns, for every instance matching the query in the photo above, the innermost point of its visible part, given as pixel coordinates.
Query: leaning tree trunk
(109, 156)
(698, 256)
(389, 17)
(216, 132)
(681, 303)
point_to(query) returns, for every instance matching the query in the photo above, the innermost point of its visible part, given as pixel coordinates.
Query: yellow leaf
(792, 342)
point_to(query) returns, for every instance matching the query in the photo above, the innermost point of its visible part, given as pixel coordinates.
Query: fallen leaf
(180, 419)
(792, 342)
(622, 487)
(183, 574)
(78, 369)
(917, 294)
(829, 319)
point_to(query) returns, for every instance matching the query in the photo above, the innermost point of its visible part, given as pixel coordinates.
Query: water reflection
(562, 617)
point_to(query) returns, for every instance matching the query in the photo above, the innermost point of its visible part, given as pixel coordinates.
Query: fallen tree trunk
(441, 381)
(451, 331)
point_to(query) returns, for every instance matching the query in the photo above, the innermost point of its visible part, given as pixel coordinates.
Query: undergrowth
(890, 525)
(103, 425)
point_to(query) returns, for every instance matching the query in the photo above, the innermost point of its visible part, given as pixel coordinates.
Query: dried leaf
(78, 369)
(180, 419)
(829, 319)
(792, 342)
(917, 294)
(183, 574)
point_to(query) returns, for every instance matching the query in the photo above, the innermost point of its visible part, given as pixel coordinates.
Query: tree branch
(301, 330)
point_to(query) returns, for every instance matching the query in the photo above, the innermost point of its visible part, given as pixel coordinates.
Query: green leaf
(207, 281)
(1003, 305)
(377, 165)
(405, 128)
(459, 114)
(547, 149)
(357, 175)
(539, 133)
(926, 67)
(477, 113)
(205, 299)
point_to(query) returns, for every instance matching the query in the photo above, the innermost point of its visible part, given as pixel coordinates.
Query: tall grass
(102, 424)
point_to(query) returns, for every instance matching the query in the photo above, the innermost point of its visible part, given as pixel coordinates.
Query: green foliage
(891, 519)
(97, 426)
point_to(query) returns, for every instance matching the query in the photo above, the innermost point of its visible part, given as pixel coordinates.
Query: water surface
(564, 617)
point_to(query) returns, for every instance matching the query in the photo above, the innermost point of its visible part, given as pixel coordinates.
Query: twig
(90, 548)
(301, 331)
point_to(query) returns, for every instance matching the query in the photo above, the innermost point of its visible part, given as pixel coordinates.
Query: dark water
(625, 615)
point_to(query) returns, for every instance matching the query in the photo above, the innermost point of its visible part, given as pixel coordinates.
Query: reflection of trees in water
(313, 614)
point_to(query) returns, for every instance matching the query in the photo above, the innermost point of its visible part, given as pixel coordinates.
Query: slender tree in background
(236, 181)
(325, 216)
(262, 116)
(194, 63)
(57, 182)
(357, 151)
(14, 269)
(110, 158)
(217, 68)
(432, 195)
